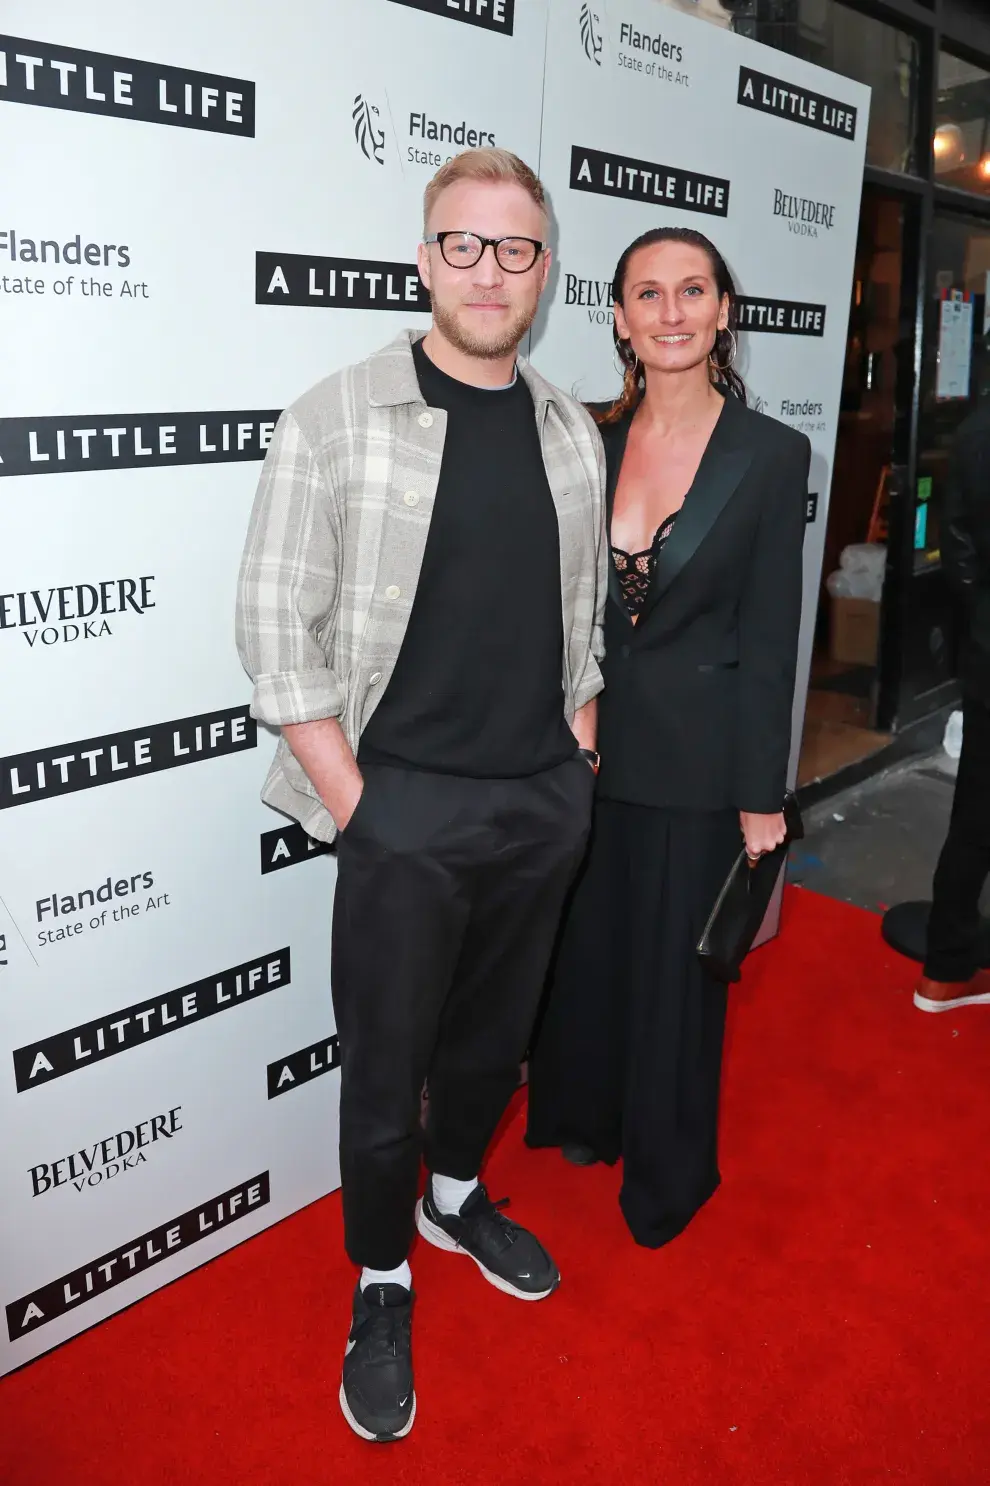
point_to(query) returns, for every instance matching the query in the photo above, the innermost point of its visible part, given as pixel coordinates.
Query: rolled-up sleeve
(288, 586)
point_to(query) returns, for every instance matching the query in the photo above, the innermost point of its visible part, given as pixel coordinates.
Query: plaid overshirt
(336, 541)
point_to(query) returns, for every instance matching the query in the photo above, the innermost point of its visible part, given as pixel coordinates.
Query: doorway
(840, 719)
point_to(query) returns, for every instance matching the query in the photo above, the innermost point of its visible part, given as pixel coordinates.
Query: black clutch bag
(741, 906)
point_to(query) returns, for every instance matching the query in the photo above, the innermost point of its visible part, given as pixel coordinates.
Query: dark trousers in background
(954, 926)
(449, 893)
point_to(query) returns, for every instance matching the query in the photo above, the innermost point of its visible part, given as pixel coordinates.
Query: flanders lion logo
(370, 138)
(591, 36)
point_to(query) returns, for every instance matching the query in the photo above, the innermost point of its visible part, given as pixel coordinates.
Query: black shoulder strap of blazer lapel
(614, 439)
(722, 467)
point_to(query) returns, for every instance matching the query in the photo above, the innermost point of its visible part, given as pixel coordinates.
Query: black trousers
(954, 926)
(449, 894)
(628, 1058)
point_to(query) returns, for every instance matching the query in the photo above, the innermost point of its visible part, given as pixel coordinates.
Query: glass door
(840, 721)
(955, 375)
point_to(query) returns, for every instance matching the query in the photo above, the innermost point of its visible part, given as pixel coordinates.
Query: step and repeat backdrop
(204, 215)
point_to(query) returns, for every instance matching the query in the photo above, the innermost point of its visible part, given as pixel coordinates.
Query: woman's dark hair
(723, 351)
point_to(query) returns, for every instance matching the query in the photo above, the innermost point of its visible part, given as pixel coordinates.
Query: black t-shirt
(477, 689)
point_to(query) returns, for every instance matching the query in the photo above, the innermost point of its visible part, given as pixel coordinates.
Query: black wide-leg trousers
(628, 1058)
(954, 928)
(448, 898)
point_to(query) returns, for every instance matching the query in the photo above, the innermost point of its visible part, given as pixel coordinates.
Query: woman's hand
(761, 832)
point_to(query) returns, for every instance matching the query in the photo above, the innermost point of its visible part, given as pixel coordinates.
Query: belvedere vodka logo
(805, 216)
(93, 1165)
(594, 296)
(591, 35)
(370, 138)
(48, 616)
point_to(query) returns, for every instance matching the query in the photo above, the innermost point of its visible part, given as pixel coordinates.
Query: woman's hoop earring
(622, 367)
(713, 358)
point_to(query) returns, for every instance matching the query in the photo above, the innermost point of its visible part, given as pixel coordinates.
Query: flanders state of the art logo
(370, 138)
(591, 35)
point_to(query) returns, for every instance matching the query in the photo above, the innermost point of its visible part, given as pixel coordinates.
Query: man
(951, 977)
(420, 608)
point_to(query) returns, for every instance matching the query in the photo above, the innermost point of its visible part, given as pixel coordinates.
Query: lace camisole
(635, 569)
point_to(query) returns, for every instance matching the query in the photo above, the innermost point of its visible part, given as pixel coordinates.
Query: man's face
(484, 311)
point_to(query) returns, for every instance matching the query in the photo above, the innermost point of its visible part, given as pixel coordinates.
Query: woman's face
(672, 311)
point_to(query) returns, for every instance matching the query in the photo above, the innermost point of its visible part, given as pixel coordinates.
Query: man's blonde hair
(494, 166)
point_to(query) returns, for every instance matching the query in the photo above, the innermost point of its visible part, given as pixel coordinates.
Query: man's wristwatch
(592, 757)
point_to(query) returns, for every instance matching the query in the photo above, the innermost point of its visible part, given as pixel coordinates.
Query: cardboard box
(855, 631)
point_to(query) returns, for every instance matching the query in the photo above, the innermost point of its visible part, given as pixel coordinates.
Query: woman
(706, 510)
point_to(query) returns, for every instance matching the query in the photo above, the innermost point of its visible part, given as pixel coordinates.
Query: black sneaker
(509, 1257)
(376, 1391)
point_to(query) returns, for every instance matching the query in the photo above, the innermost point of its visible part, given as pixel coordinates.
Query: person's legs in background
(951, 975)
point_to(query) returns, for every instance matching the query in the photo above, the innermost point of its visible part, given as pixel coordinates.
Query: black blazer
(696, 710)
(964, 539)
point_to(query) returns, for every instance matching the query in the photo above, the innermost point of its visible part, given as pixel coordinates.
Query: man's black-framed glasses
(464, 250)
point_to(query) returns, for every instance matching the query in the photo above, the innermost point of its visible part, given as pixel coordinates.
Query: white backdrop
(179, 188)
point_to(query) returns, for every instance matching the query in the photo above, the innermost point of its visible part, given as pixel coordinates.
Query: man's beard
(495, 345)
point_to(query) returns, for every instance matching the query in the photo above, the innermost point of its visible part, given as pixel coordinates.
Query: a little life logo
(62, 77)
(591, 34)
(370, 138)
(302, 1067)
(74, 444)
(170, 1011)
(64, 768)
(73, 611)
(607, 174)
(773, 95)
(93, 1165)
(135, 1255)
(287, 845)
(491, 15)
(338, 283)
(780, 316)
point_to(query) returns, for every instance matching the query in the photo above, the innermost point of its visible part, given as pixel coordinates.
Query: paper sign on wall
(955, 346)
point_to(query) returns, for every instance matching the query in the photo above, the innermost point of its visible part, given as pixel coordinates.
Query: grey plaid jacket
(336, 541)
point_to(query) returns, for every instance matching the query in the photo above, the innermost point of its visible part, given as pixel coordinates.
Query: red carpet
(825, 1320)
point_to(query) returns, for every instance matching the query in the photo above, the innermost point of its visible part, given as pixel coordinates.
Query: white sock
(450, 1195)
(401, 1276)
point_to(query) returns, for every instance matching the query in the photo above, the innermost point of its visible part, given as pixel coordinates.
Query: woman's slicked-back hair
(634, 379)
